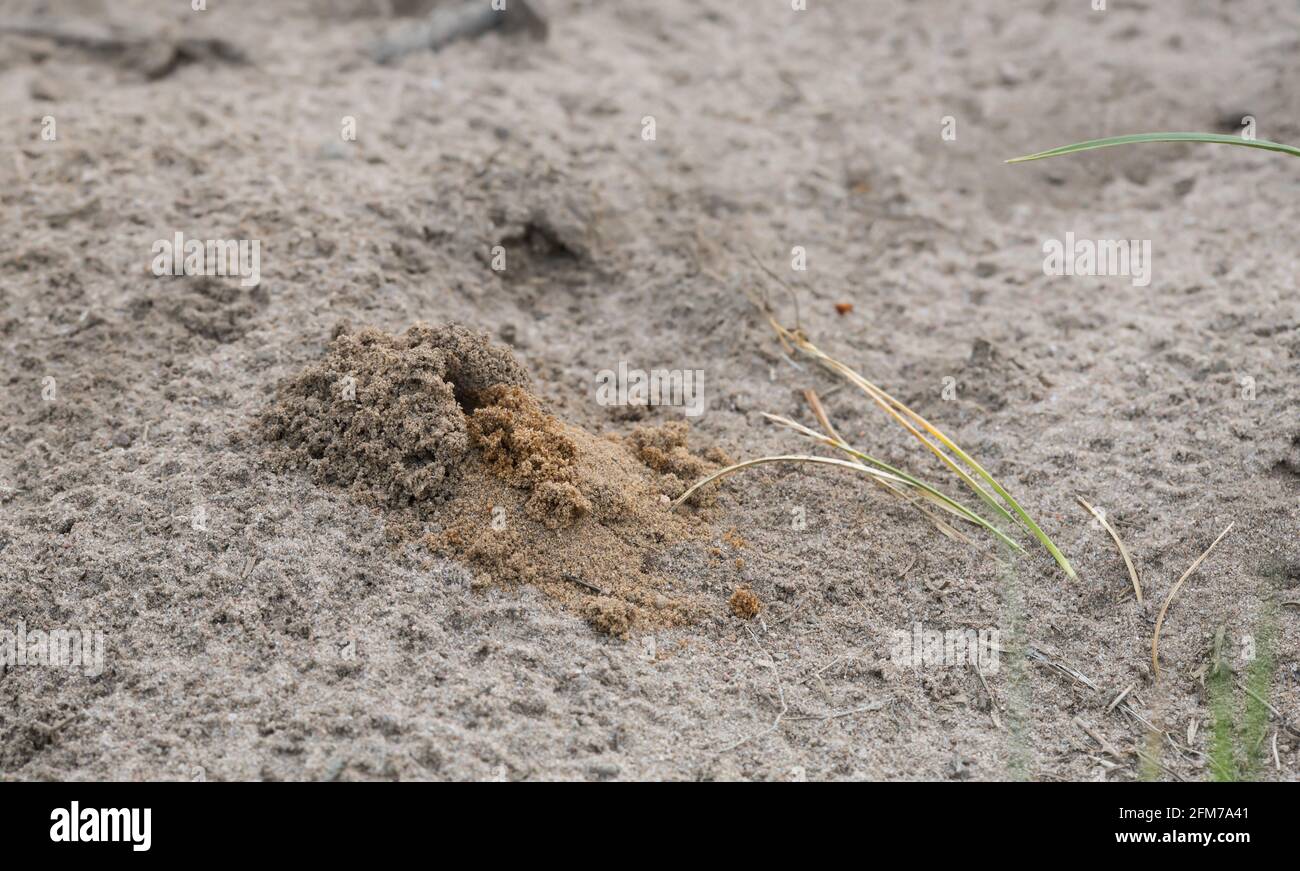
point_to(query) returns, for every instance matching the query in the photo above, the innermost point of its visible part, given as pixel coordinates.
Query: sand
(265, 621)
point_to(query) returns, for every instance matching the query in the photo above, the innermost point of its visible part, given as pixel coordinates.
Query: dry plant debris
(1123, 551)
(1160, 619)
(1004, 506)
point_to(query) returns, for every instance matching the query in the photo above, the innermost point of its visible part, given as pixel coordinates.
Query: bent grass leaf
(1135, 138)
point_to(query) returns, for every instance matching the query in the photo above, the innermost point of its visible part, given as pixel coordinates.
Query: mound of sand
(385, 415)
(437, 427)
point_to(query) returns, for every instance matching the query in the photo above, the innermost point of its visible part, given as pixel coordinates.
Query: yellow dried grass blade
(897, 409)
(1160, 619)
(1123, 551)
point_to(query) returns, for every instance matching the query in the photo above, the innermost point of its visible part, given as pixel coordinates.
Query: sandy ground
(290, 639)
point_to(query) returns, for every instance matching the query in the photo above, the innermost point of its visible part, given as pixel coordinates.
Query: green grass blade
(1015, 506)
(879, 475)
(786, 458)
(898, 411)
(1217, 138)
(931, 493)
(887, 402)
(906, 417)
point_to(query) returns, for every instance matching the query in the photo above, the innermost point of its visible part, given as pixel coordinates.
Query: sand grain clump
(744, 604)
(664, 449)
(383, 414)
(529, 449)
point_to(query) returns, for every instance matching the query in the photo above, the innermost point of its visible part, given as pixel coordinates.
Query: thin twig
(1035, 654)
(1099, 738)
(1119, 698)
(1272, 710)
(993, 702)
(871, 706)
(572, 578)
